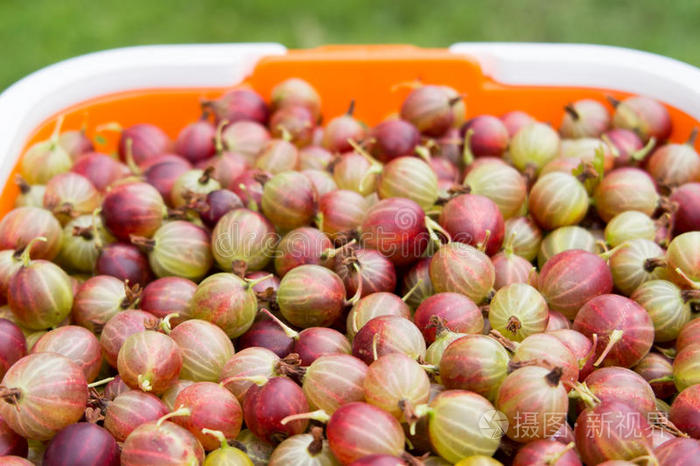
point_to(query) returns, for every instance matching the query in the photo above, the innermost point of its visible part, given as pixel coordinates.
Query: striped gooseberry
(161, 441)
(410, 178)
(517, 311)
(587, 271)
(475, 220)
(443, 338)
(243, 367)
(629, 146)
(515, 120)
(125, 262)
(210, 407)
(563, 239)
(683, 260)
(29, 195)
(225, 166)
(460, 268)
(77, 344)
(13, 345)
(374, 305)
(257, 450)
(268, 405)
(624, 329)
(243, 235)
(308, 448)
(626, 188)
(675, 164)
(617, 384)
(165, 250)
(99, 299)
(226, 454)
(461, 424)
(538, 392)
(348, 434)
(687, 214)
(546, 451)
(321, 180)
(375, 272)
(686, 367)
(557, 321)
(150, 361)
(548, 351)
(142, 142)
(557, 200)
(501, 183)
(314, 158)
(120, 327)
(667, 305)
(304, 245)
(289, 200)
(70, 194)
(394, 381)
(205, 350)
(355, 172)
(163, 175)
(311, 295)
(457, 312)
(168, 295)
(41, 394)
(294, 92)
(677, 451)
(394, 138)
(246, 138)
(524, 236)
(388, 334)
(643, 115)
(624, 435)
(341, 211)
(76, 143)
(45, 159)
(133, 209)
(429, 109)
(131, 409)
(277, 156)
(192, 182)
(489, 136)
(238, 105)
(656, 369)
(225, 300)
(684, 411)
(82, 443)
(629, 225)
(510, 268)
(688, 335)
(533, 146)
(195, 141)
(295, 123)
(39, 293)
(83, 238)
(23, 224)
(629, 267)
(584, 118)
(341, 129)
(216, 204)
(580, 346)
(334, 380)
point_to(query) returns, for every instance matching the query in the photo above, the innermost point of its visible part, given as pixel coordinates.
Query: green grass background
(35, 33)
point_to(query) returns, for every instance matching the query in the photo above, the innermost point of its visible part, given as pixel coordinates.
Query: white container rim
(25, 104)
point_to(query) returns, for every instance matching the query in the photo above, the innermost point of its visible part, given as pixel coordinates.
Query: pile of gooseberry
(262, 288)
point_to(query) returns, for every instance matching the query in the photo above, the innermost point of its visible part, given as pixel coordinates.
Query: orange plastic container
(371, 75)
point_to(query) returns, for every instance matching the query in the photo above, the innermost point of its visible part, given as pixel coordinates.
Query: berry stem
(56, 130)
(582, 362)
(554, 376)
(652, 263)
(506, 343)
(144, 382)
(181, 411)
(433, 226)
(358, 293)
(556, 457)
(252, 283)
(165, 323)
(316, 445)
(615, 336)
(219, 436)
(25, 257)
(130, 162)
(694, 284)
(666, 378)
(408, 294)
(147, 244)
(22, 184)
(569, 108)
(513, 325)
(580, 390)
(693, 136)
(467, 155)
(319, 415)
(644, 151)
(100, 382)
(690, 295)
(291, 333)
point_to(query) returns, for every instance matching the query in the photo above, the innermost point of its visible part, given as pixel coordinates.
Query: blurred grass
(35, 33)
